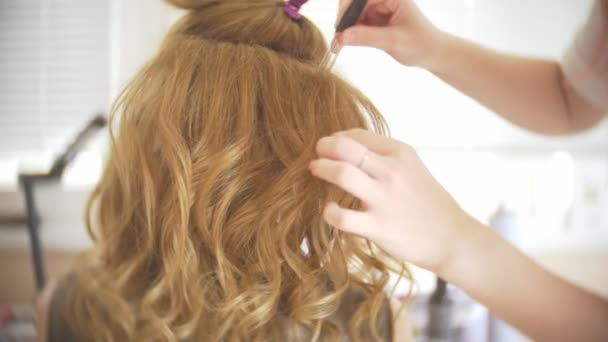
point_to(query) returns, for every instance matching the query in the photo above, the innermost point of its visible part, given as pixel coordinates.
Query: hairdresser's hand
(397, 27)
(410, 215)
(406, 211)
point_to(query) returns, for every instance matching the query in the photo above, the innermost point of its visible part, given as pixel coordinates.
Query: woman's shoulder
(354, 298)
(51, 307)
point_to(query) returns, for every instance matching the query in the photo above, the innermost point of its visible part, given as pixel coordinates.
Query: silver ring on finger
(363, 161)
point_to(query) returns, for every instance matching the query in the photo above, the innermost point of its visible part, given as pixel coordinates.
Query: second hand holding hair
(397, 27)
(406, 211)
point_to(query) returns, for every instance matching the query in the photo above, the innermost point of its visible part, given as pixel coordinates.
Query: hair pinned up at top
(292, 8)
(207, 224)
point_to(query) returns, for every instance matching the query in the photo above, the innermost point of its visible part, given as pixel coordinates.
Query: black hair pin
(349, 19)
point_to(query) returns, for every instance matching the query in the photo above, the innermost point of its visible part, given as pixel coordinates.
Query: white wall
(138, 26)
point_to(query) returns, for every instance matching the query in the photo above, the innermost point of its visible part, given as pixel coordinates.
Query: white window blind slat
(54, 71)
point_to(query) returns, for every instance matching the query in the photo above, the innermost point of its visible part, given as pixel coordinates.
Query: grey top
(58, 329)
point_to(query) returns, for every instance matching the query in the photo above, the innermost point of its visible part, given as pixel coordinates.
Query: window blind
(54, 71)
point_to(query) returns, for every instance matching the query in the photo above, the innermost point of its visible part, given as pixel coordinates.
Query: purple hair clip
(292, 8)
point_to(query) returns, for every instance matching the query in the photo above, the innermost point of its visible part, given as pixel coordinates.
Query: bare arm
(531, 93)
(522, 293)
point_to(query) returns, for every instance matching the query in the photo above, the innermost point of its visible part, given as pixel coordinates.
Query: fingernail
(319, 144)
(329, 213)
(311, 165)
(339, 38)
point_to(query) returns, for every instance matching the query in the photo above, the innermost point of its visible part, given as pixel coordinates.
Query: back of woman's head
(207, 224)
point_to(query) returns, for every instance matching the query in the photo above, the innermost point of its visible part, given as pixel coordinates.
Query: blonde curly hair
(206, 223)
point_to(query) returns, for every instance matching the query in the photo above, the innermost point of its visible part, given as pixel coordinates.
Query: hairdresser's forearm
(530, 93)
(522, 293)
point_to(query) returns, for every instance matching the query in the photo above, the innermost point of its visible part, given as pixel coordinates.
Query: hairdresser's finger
(383, 38)
(348, 220)
(346, 149)
(347, 177)
(374, 142)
